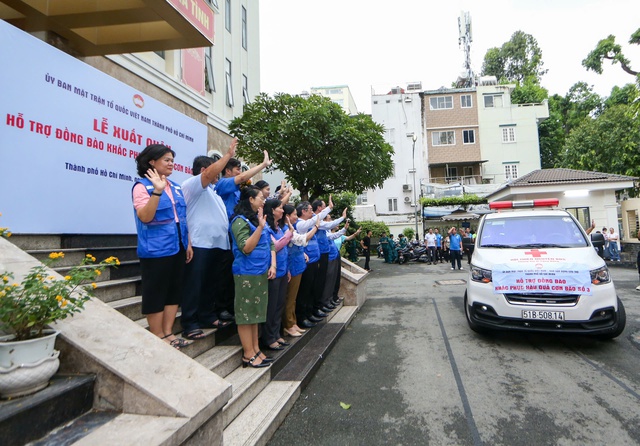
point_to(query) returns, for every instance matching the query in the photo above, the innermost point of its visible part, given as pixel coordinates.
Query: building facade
(200, 57)
(340, 94)
(469, 140)
(395, 203)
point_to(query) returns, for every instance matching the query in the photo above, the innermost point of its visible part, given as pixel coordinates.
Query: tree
(610, 50)
(319, 148)
(608, 143)
(517, 59)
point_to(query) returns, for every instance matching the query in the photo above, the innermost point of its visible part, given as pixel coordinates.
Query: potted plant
(27, 357)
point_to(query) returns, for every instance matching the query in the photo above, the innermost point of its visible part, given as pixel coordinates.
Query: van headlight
(600, 276)
(480, 274)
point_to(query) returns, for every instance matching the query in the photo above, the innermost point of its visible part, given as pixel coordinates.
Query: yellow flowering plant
(41, 299)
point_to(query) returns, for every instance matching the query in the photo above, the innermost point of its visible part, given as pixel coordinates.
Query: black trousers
(275, 308)
(321, 278)
(367, 257)
(222, 276)
(304, 300)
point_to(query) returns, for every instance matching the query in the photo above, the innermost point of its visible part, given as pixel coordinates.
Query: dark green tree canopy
(517, 59)
(610, 50)
(319, 147)
(609, 143)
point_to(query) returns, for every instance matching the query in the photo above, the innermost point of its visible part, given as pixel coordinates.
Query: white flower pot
(27, 366)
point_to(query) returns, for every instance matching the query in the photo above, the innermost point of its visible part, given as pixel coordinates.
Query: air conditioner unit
(406, 188)
(407, 199)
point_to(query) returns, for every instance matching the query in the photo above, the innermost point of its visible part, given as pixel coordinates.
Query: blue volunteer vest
(257, 261)
(334, 253)
(282, 255)
(295, 260)
(323, 241)
(159, 237)
(312, 249)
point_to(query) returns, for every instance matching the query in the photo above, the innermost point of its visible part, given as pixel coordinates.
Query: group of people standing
(226, 253)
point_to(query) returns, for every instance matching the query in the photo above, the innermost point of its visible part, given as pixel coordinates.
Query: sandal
(248, 362)
(194, 335)
(176, 343)
(218, 324)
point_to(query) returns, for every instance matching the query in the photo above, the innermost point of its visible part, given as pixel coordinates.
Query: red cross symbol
(535, 253)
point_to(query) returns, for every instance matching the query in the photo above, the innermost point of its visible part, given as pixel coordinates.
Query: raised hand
(267, 162)
(159, 181)
(262, 218)
(232, 147)
(288, 223)
(344, 213)
(330, 201)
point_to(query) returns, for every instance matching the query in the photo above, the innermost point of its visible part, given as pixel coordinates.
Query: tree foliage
(462, 200)
(608, 49)
(319, 148)
(376, 227)
(516, 60)
(608, 143)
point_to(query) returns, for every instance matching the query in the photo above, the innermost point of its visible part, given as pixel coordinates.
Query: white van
(535, 269)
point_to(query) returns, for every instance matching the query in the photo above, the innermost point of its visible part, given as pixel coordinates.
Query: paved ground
(415, 374)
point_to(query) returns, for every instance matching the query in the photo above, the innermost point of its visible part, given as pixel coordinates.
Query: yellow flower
(90, 257)
(98, 272)
(51, 277)
(2, 293)
(94, 285)
(64, 303)
(8, 234)
(67, 277)
(5, 279)
(58, 298)
(16, 285)
(56, 255)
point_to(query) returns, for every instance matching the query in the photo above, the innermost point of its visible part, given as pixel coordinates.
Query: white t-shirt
(430, 239)
(206, 215)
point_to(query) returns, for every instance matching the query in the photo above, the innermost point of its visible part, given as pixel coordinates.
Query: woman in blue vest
(253, 265)
(160, 213)
(280, 235)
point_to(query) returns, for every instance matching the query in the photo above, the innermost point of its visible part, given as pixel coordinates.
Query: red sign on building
(199, 13)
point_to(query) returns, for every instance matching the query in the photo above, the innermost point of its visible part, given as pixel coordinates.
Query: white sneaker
(452, 268)
(638, 288)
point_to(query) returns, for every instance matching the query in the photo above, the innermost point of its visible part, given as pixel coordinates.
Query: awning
(461, 216)
(97, 28)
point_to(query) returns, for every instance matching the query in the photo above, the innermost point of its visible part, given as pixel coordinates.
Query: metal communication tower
(465, 38)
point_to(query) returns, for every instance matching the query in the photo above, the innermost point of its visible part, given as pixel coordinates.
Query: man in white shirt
(614, 253)
(430, 241)
(208, 287)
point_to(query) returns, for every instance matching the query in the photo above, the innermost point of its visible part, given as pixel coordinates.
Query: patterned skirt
(251, 298)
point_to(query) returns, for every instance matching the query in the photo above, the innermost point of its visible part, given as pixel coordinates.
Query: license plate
(543, 315)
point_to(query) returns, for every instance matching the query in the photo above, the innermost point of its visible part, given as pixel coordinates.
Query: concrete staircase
(260, 398)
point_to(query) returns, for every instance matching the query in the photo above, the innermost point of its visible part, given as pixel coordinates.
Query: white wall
(525, 151)
(400, 114)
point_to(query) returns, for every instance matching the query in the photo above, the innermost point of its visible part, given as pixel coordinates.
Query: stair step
(260, 420)
(31, 417)
(74, 431)
(116, 289)
(221, 360)
(247, 384)
(73, 256)
(130, 307)
(127, 429)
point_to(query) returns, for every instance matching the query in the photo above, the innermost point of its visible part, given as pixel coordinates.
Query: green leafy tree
(626, 95)
(608, 49)
(551, 135)
(607, 143)
(516, 60)
(319, 147)
(376, 227)
(409, 233)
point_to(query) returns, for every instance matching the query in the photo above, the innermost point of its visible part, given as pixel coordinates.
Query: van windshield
(555, 231)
